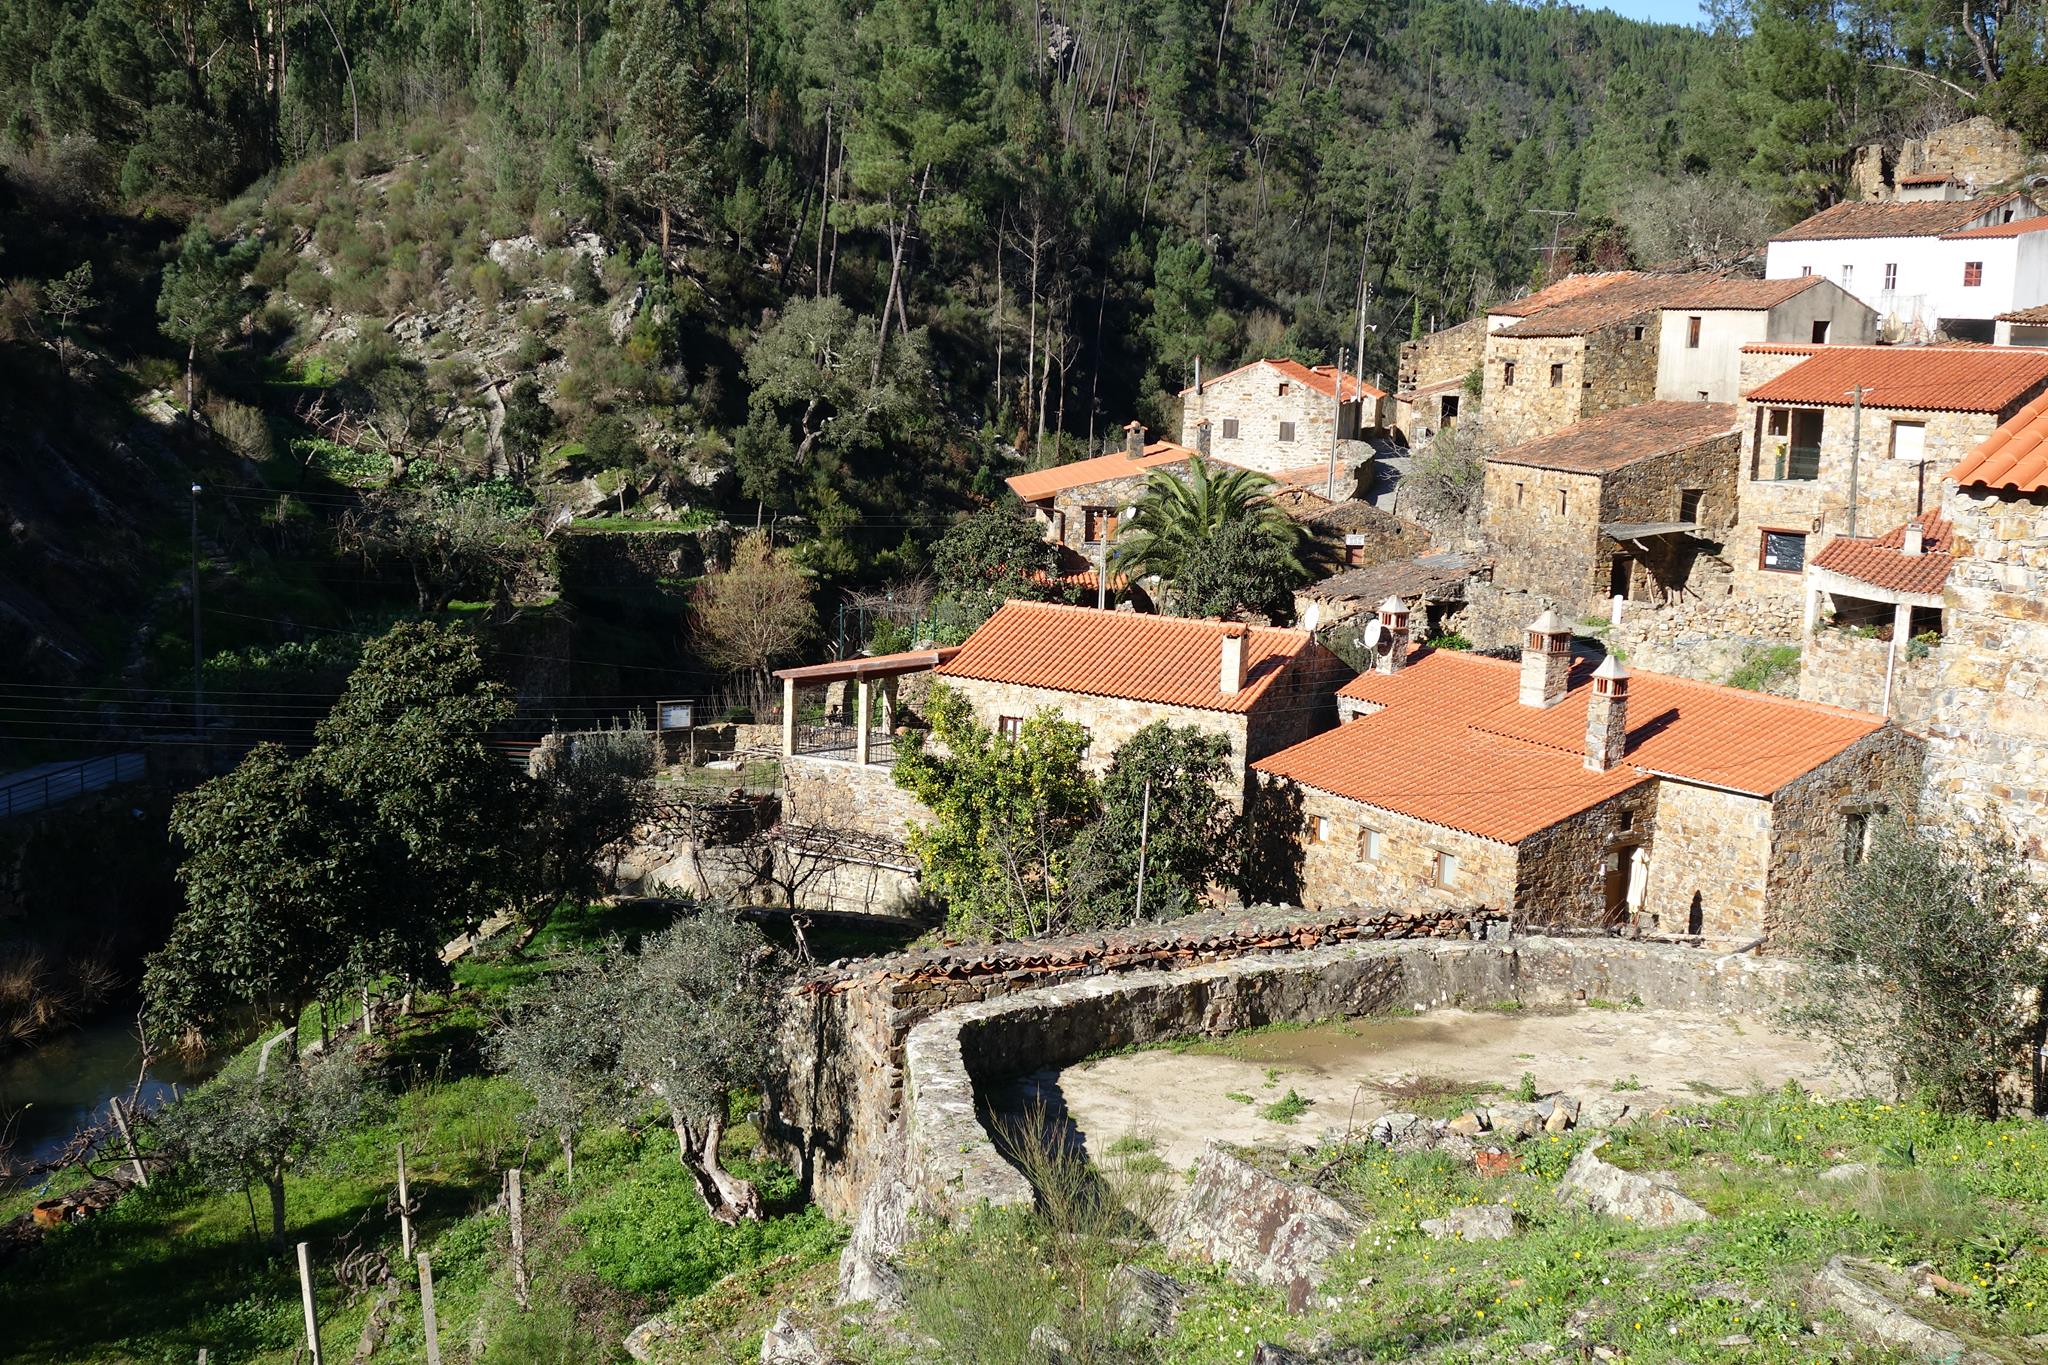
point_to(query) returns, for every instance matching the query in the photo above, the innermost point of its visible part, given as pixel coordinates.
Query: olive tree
(246, 1129)
(559, 1039)
(1926, 960)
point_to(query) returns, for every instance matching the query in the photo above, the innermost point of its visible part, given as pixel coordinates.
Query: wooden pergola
(871, 675)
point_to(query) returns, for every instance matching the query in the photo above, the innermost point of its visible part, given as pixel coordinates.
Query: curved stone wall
(951, 1162)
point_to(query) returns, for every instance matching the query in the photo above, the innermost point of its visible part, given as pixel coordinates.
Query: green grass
(1764, 666)
(1288, 1108)
(343, 464)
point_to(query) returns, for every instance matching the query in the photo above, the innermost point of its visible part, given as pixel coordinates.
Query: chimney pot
(1914, 542)
(1391, 653)
(1231, 661)
(1134, 440)
(1202, 437)
(1546, 662)
(1607, 716)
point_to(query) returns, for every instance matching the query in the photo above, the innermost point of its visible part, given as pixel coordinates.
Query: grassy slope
(175, 1268)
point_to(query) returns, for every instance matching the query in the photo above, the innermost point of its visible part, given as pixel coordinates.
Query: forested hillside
(847, 263)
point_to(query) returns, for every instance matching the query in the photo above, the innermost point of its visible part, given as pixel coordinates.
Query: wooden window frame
(1557, 374)
(1891, 276)
(1370, 849)
(1446, 870)
(1507, 374)
(1230, 428)
(1287, 433)
(1763, 540)
(1973, 274)
(1010, 728)
(1892, 447)
(1692, 332)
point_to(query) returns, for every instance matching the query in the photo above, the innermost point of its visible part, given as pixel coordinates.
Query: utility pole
(198, 674)
(1855, 449)
(1558, 217)
(1336, 423)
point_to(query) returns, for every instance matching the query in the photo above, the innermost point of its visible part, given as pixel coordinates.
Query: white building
(1706, 324)
(1949, 266)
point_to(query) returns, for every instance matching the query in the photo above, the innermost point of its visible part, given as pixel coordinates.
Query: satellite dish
(1313, 617)
(1370, 636)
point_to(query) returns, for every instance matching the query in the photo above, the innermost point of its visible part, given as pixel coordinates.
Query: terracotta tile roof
(2014, 457)
(2016, 228)
(1435, 577)
(1166, 660)
(1628, 297)
(1314, 475)
(1881, 563)
(871, 665)
(1428, 390)
(1560, 291)
(1929, 178)
(1619, 438)
(1926, 218)
(1923, 378)
(1322, 378)
(2037, 315)
(1423, 757)
(1043, 483)
(1739, 292)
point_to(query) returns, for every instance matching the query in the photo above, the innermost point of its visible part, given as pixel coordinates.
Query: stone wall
(831, 794)
(1560, 874)
(1651, 491)
(1988, 738)
(953, 1166)
(1494, 617)
(1979, 150)
(1706, 638)
(835, 1104)
(1070, 507)
(1251, 397)
(1532, 405)
(1888, 490)
(1335, 870)
(607, 559)
(1714, 847)
(1452, 353)
(1110, 720)
(1543, 528)
(1621, 366)
(1841, 668)
(1809, 820)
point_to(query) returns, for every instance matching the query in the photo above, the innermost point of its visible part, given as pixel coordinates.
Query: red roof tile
(1166, 660)
(2015, 228)
(1624, 436)
(2014, 457)
(2035, 315)
(1322, 378)
(1924, 378)
(1928, 178)
(1882, 563)
(1043, 483)
(1738, 292)
(1892, 218)
(1560, 290)
(1628, 297)
(1453, 745)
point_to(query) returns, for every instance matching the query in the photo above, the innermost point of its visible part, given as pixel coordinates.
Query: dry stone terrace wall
(952, 1164)
(836, 1108)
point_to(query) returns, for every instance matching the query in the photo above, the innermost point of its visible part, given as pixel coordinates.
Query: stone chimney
(1607, 716)
(1230, 670)
(1202, 438)
(1915, 540)
(1390, 655)
(1546, 661)
(1134, 439)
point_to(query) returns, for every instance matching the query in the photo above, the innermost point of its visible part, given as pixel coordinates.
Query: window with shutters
(1690, 501)
(1100, 524)
(1848, 274)
(1230, 428)
(1286, 432)
(1973, 274)
(1010, 727)
(1891, 275)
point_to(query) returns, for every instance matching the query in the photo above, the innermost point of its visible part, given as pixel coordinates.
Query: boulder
(648, 1342)
(867, 1268)
(1603, 1111)
(1848, 1170)
(1471, 1123)
(1873, 1299)
(785, 1343)
(1265, 1229)
(1394, 1130)
(1145, 1301)
(1652, 1201)
(1478, 1223)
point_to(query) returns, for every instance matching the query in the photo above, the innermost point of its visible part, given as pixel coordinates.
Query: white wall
(1715, 366)
(1930, 273)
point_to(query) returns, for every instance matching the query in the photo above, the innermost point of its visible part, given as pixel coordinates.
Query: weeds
(1287, 1108)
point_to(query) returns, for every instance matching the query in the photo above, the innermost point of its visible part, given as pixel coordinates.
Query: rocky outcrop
(1146, 1302)
(1873, 1298)
(787, 1343)
(1265, 1229)
(1650, 1201)
(1479, 1223)
(867, 1267)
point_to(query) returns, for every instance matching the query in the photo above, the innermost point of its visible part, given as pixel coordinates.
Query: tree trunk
(191, 360)
(568, 1158)
(728, 1197)
(275, 1182)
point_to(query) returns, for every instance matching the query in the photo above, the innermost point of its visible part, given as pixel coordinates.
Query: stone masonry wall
(1252, 398)
(1988, 739)
(953, 1167)
(1449, 354)
(1335, 870)
(1809, 820)
(1716, 846)
(835, 1103)
(1621, 366)
(831, 794)
(1543, 527)
(1532, 406)
(1110, 720)
(1071, 529)
(1707, 638)
(1560, 881)
(1841, 668)
(1651, 491)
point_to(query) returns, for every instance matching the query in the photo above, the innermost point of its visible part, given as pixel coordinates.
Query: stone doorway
(1620, 869)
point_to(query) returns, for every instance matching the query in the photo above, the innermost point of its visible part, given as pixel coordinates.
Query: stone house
(1578, 796)
(1433, 583)
(1624, 504)
(1930, 267)
(1113, 672)
(1704, 326)
(1431, 375)
(1948, 163)
(1564, 354)
(1080, 505)
(2022, 327)
(1278, 415)
(1351, 533)
(1818, 461)
(1873, 616)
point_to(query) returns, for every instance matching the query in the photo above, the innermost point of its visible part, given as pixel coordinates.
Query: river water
(51, 1090)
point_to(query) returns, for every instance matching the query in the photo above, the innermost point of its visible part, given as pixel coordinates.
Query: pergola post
(789, 717)
(860, 734)
(1902, 622)
(1812, 605)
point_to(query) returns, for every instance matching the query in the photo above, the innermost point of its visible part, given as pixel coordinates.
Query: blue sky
(1663, 11)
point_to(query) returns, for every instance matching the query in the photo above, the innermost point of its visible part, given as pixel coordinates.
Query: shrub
(1764, 666)
(308, 286)
(244, 428)
(487, 284)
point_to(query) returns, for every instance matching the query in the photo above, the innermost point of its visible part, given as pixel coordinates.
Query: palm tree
(1177, 519)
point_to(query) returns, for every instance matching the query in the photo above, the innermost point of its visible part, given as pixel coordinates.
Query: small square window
(1447, 870)
(1230, 428)
(1692, 334)
(1628, 820)
(1848, 274)
(1318, 829)
(1891, 275)
(1283, 388)
(1369, 845)
(1507, 374)
(1635, 334)
(1690, 500)
(1286, 432)
(1909, 440)
(1820, 332)
(1973, 274)
(1556, 375)
(1010, 727)
(1783, 552)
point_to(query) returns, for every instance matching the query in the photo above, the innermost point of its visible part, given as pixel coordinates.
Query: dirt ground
(1353, 1072)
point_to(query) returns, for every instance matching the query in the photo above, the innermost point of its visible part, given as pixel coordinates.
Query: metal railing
(842, 742)
(53, 784)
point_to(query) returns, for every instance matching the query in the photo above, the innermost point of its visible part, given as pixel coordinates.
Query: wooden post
(788, 717)
(134, 1156)
(404, 1209)
(860, 736)
(306, 1299)
(432, 1328)
(369, 1019)
(263, 1057)
(516, 1205)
